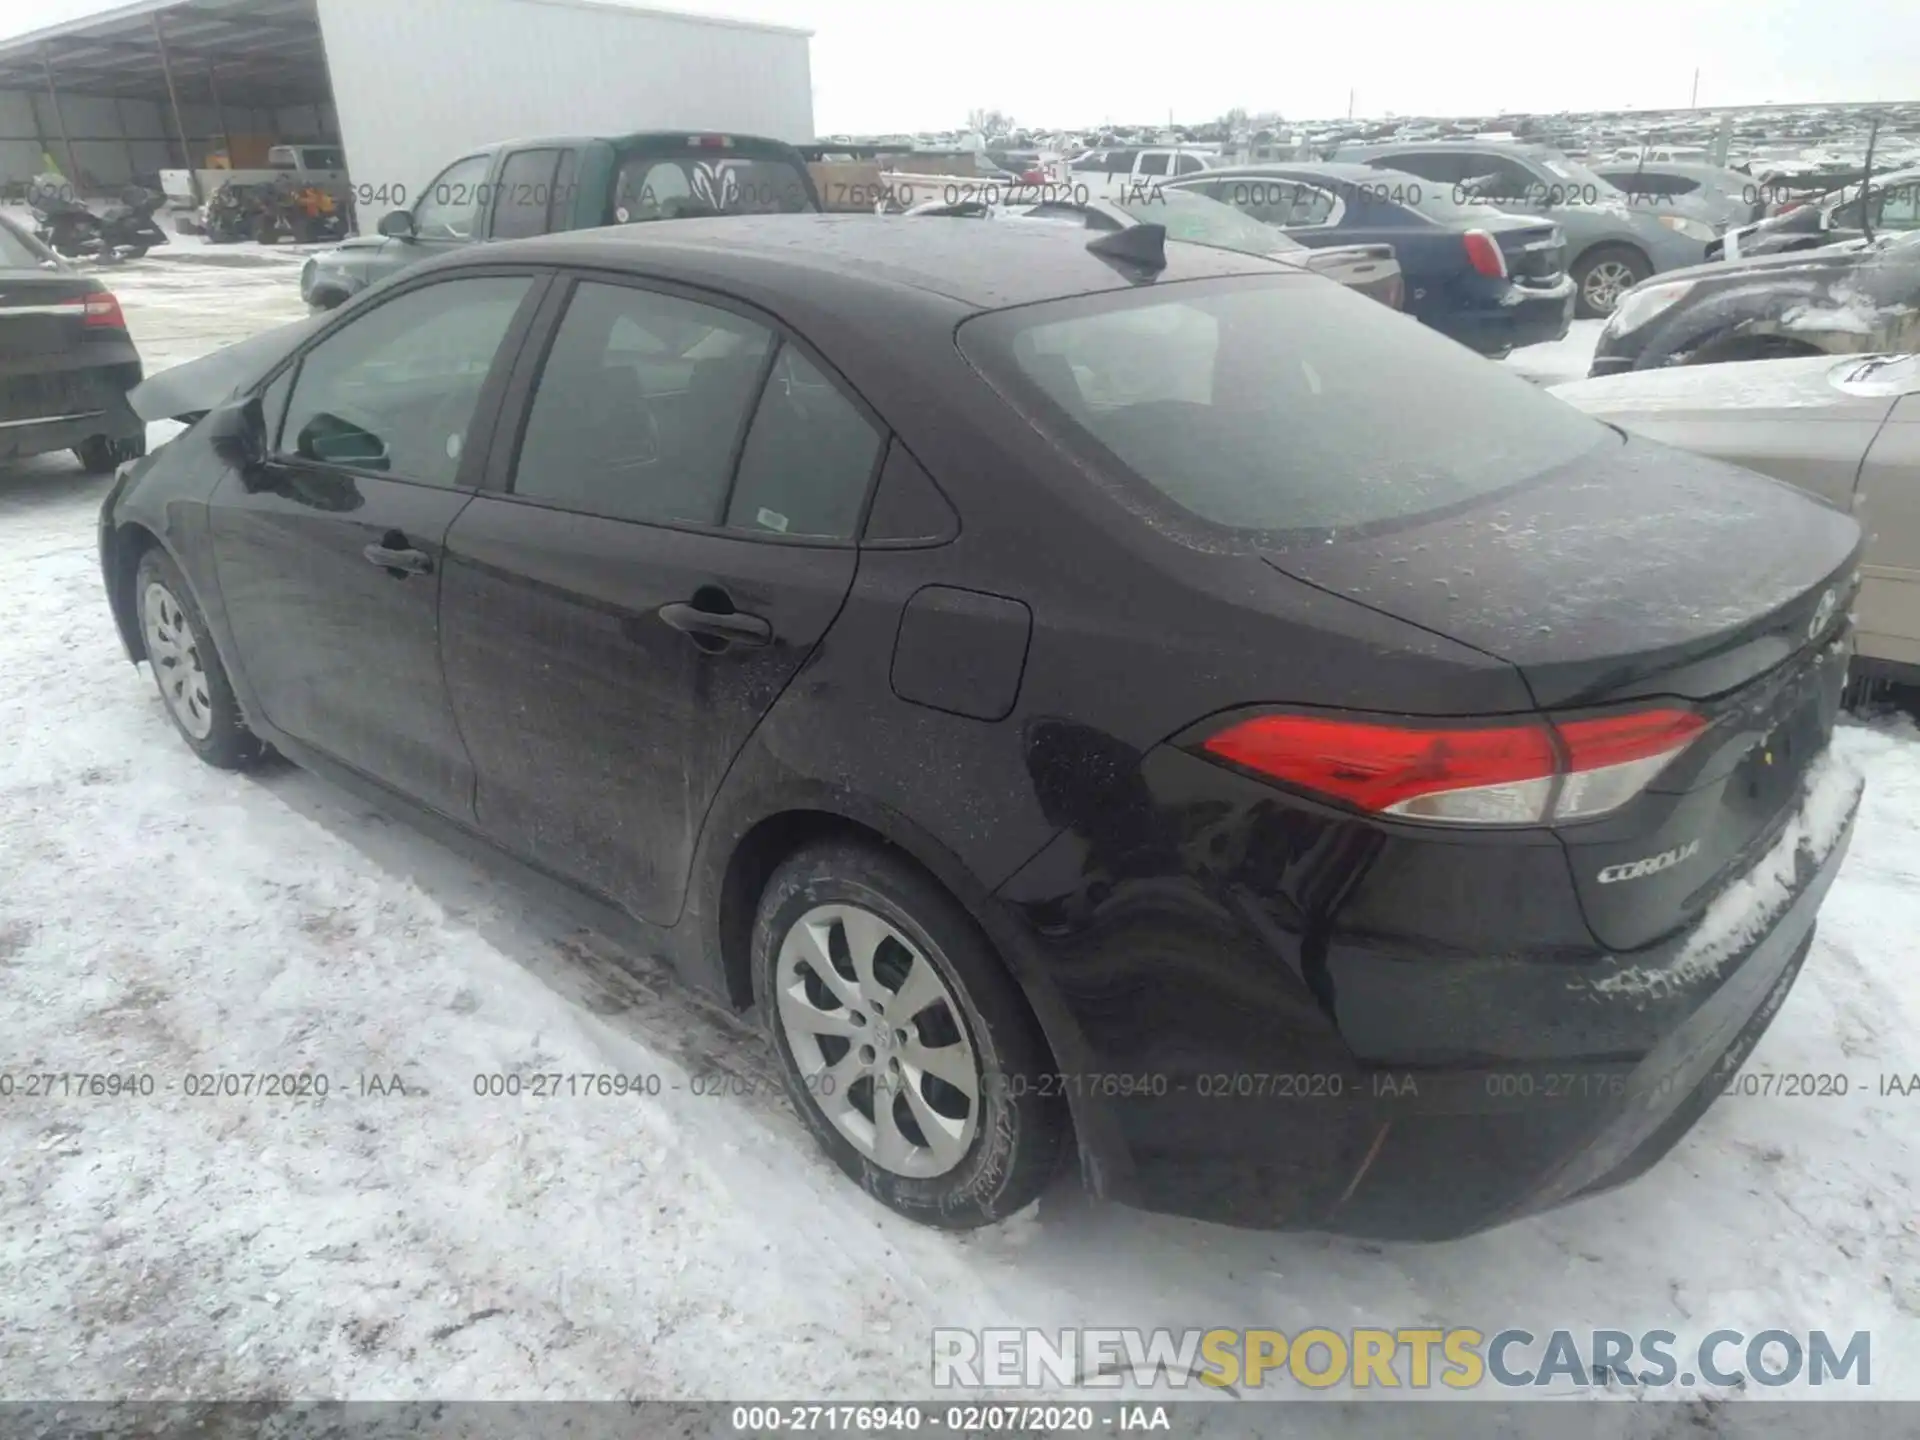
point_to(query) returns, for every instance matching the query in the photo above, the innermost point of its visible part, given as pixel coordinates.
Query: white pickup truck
(321, 166)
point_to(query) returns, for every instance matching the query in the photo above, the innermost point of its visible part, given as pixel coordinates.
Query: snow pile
(1742, 912)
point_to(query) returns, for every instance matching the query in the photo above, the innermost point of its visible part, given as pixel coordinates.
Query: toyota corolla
(1100, 699)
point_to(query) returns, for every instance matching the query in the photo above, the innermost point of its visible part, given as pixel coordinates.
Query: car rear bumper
(1521, 316)
(58, 410)
(1338, 1078)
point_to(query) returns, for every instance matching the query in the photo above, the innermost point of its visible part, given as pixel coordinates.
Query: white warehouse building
(403, 86)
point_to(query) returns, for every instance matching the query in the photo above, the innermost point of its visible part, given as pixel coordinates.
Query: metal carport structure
(192, 58)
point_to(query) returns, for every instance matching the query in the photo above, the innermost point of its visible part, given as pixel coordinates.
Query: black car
(1029, 668)
(1846, 299)
(66, 362)
(1490, 280)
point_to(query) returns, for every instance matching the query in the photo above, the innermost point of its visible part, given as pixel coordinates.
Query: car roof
(983, 267)
(634, 140)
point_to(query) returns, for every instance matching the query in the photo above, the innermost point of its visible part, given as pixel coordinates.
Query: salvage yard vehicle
(304, 166)
(1371, 270)
(1847, 430)
(1840, 300)
(1025, 666)
(1490, 280)
(520, 188)
(66, 360)
(1717, 197)
(1889, 204)
(1611, 245)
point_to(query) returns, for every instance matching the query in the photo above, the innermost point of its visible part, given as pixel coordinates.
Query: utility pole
(1694, 103)
(1349, 104)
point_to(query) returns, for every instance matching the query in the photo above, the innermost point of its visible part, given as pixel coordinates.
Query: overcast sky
(922, 64)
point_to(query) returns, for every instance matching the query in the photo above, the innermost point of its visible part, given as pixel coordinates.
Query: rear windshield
(1274, 404)
(1201, 221)
(652, 186)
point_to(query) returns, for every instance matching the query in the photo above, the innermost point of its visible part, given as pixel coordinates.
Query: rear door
(534, 193)
(329, 560)
(659, 551)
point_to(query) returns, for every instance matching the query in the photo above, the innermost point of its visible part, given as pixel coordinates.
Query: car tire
(187, 670)
(102, 456)
(978, 1158)
(1602, 275)
(1752, 347)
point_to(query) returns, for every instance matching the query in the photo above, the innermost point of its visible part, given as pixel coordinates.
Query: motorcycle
(129, 228)
(126, 231)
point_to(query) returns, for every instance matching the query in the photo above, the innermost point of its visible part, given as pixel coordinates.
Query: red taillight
(103, 312)
(1484, 255)
(710, 142)
(1481, 775)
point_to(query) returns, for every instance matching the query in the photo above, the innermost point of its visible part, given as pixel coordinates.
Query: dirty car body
(1837, 300)
(1366, 860)
(1847, 430)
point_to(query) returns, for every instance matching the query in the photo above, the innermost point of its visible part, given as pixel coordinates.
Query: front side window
(1154, 163)
(1254, 404)
(640, 406)
(1188, 165)
(449, 208)
(808, 460)
(395, 390)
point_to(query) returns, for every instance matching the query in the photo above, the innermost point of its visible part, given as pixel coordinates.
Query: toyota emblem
(1822, 614)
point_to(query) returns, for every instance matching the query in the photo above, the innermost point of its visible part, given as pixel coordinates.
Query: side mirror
(237, 431)
(397, 225)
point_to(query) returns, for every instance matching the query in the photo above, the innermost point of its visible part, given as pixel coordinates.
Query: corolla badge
(1823, 613)
(1652, 865)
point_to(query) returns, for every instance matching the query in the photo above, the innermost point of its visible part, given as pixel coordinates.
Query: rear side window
(523, 197)
(1154, 164)
(640, 404)
(808, 459)
(1188, 165)
(1255, 404)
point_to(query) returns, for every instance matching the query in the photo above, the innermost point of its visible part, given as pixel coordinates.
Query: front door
(329, 560)
(447, 216)
(676, 537)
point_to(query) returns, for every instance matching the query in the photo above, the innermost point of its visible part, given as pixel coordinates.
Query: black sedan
(1490, 280)
(1029, 669)
(1849, 299)
(66, 362)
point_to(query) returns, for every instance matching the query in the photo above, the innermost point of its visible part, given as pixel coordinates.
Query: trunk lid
(1636, 570)
(1535, 250)
(42, 313)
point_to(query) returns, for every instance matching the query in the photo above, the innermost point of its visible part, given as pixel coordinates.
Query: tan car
(1847, 430)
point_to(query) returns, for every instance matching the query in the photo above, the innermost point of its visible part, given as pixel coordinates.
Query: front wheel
(186, 667)
(906, 1046)
(1603, 275)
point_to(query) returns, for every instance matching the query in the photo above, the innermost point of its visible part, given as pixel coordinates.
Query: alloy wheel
(175, 655)
(1606, 282)
(879, 1039)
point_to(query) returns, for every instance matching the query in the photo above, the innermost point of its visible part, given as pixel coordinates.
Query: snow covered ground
(158, 916)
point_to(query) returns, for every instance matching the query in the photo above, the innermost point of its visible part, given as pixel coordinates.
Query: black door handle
(733, 627)
(394, 555)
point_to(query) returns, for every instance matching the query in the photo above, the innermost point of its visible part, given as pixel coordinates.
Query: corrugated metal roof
(258, 52)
